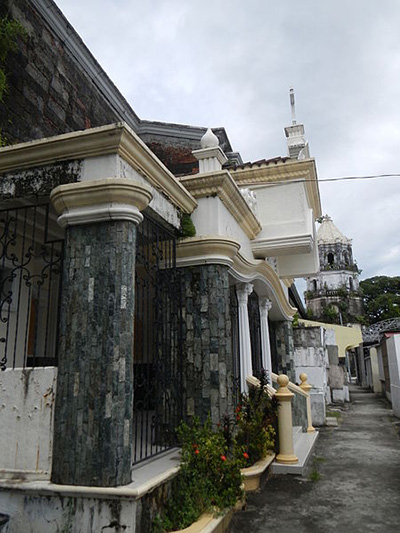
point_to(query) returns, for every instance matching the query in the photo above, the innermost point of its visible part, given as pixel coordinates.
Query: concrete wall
(32, 513)
(311, 357)
(393, 347)
(26, 421)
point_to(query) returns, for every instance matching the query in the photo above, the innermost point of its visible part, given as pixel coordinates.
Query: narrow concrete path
(352, 484)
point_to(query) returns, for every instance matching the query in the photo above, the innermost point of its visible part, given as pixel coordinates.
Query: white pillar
(243, 290)
(265, 306)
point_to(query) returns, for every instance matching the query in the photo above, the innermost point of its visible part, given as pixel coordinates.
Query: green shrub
(209, 476)
(256, 418)
(187, 227)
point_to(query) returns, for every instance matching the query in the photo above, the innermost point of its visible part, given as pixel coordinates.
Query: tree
(381, 296)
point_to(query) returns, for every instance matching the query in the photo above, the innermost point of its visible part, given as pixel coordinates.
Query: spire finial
(292, 105)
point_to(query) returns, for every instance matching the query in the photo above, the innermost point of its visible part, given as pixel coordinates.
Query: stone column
(243, 290)
(93, 409)
(265, 306)
(208, 365)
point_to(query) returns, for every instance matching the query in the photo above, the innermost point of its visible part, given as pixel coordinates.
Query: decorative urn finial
(209, 140)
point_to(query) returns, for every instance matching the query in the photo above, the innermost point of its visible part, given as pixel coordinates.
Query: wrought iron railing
(157, 350)
(372, 333)
(30, 268)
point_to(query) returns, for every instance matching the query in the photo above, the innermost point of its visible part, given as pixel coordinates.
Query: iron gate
(157, 342)
(255, 332)
(30, 268)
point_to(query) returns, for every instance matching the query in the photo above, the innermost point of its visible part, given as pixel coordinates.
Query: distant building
(333, 295)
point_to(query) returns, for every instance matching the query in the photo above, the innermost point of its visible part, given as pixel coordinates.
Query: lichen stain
(37, 457)
(114, 525)
(26, 374)
(49, 397)
(39, 181)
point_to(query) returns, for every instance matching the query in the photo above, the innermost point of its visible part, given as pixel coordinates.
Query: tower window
(351, 285)
(331, 258)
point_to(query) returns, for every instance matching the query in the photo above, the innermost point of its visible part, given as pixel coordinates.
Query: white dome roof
(329, 234)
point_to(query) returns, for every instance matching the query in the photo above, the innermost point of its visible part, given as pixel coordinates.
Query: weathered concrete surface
(359, 487)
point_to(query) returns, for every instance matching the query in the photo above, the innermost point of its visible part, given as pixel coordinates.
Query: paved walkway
(352, 484)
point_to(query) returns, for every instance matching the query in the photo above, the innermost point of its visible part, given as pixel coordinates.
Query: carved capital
(94, 201)
(243, 291)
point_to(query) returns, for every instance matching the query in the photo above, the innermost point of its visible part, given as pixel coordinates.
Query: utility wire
(372, 177)
(325, 180)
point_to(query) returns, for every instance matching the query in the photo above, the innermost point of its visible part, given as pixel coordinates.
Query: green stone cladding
(93, 414)
(208, 366)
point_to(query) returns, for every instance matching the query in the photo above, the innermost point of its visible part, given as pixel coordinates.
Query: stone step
(303, 446)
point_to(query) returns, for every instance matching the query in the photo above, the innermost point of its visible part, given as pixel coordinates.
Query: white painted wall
(31, 513)
(26, 421)
(393, 347)
(113, 166)
(282, 210)
(288, 227)
(211, 217)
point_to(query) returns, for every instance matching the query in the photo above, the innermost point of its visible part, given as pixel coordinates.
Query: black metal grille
(234, 312)
(30, 266)
(255, 332)
(157, 352)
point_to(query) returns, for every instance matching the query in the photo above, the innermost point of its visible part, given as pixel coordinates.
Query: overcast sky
(231, 64)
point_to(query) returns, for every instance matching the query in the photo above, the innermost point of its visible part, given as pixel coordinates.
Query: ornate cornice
(209, 249)
(222, 185)
(280, 172)
(295, 244)
(248, 270)
(112, 139)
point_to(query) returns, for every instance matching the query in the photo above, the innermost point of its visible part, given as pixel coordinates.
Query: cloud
(231, 63)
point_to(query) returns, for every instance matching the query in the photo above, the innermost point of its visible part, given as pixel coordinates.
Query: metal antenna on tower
(292, 105)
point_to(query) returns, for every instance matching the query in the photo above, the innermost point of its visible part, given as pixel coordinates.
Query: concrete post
(306, 388)
(285, 428)
(265, 306)
(93, 409)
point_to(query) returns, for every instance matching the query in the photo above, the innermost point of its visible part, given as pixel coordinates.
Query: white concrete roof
(329, 234)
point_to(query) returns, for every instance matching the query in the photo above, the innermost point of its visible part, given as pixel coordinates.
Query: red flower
(238, 409)
(223, 457)
(196, 452)
(246, 455)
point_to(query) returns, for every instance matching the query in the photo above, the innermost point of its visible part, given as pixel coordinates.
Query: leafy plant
(10, 30)
(209, 476)
(330, 314)
(256, 417)
(187, 227)
(314, 474)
